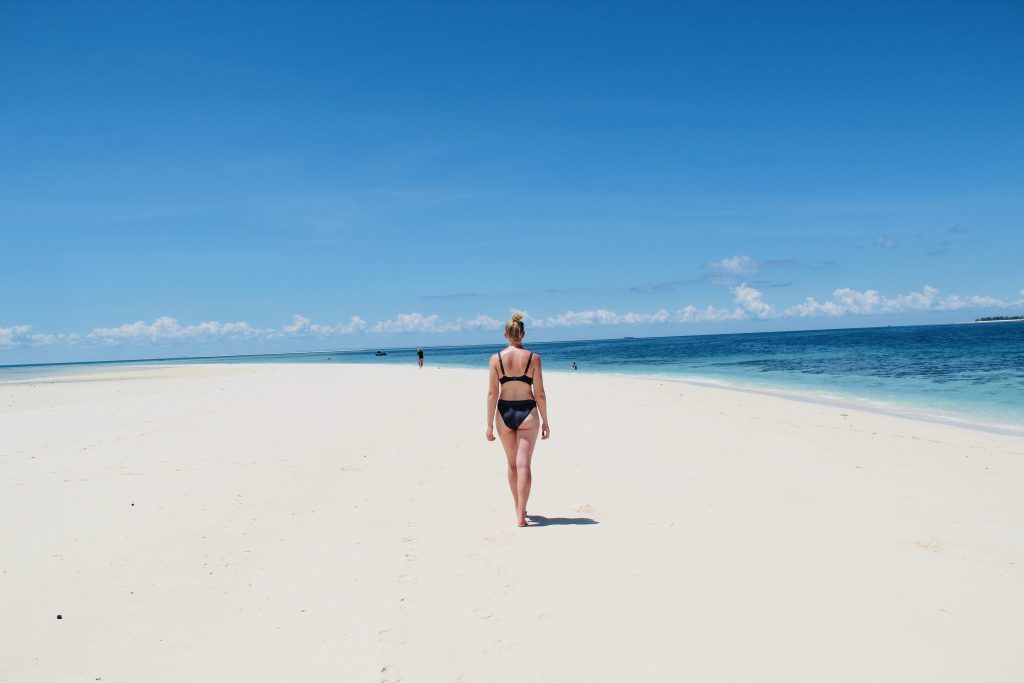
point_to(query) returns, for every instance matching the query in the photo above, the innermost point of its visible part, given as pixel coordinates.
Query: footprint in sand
(409, 539)
(929, 544)
(405, 578)
(583, 508)
(389, 674)
(484, 614)
(389, 637)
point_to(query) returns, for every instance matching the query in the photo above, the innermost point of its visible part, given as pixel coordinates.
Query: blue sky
(243, 177)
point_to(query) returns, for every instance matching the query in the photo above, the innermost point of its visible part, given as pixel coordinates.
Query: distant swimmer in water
(419, 354)
(521, 404)
(574, 365)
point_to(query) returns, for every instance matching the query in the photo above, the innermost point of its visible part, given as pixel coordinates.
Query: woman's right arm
(492, 396)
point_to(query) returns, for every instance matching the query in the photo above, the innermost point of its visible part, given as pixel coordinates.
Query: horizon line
(455, 346)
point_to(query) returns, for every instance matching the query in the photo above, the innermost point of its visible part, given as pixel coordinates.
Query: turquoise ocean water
(971, 372)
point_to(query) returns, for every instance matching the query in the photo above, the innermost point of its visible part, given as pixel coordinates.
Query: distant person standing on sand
(419, 353)
(521, 404)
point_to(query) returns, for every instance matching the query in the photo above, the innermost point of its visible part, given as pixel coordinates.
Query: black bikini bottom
(514, 412)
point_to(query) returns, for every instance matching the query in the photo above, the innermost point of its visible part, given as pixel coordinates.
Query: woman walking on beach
(518, 398)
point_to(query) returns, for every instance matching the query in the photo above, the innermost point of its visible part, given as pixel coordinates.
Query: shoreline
(855, 403)
(917, 412)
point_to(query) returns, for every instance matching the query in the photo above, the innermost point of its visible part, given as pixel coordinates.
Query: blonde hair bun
(514, 328)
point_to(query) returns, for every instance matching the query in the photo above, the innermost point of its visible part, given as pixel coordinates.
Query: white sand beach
(351, 523)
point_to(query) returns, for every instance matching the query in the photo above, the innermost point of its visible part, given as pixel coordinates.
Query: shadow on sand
(541, 520)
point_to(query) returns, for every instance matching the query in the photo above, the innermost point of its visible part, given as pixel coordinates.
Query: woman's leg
(510, 443)
(527, 440)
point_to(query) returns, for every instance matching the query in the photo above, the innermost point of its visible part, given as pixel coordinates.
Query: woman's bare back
(516, 362)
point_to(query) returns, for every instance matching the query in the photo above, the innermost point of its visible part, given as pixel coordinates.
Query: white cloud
(481, 322)
(15, 336)
(302, 326)
(354, 324)
(166, 328)
(728, 272)
(692, 314)
(602, 316)
(752, 301)
(885, 242)
(811, 308)
(407, 322)
(858, 302)
(924, 300)
(23, 336)
(954, 302)
(169, 329)
(417, 322)
(869, 302)
(735, 265)
(300, 323)
(749, 304)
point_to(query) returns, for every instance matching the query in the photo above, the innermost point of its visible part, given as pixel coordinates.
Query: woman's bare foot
(522, 522)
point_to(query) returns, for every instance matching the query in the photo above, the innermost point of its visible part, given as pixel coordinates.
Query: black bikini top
(521, 378)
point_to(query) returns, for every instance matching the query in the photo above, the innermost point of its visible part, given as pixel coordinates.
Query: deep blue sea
(972, 372)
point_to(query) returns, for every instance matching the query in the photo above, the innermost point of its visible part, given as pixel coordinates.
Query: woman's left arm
(542, 399)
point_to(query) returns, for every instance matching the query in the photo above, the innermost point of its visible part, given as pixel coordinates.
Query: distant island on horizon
(999, 319)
